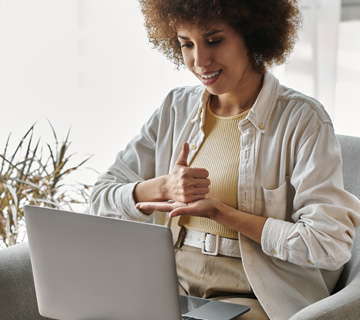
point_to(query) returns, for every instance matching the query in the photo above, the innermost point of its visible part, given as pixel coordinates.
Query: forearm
(150, 190)
(247, 224)
(113, 199)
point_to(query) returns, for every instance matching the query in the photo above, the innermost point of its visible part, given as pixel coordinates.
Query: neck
(239, 100)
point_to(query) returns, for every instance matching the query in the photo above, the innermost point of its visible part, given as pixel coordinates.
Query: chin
(215, 91)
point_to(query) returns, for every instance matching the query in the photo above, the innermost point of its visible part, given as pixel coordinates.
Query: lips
(209, 78)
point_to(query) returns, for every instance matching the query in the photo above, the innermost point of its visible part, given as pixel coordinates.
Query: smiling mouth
(209, 76)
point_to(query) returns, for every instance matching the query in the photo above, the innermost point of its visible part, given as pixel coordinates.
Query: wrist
(218, 211)
(149, 190)
(162, 188)
(225, 215)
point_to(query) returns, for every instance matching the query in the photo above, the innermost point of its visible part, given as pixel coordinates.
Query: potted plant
(35, 173)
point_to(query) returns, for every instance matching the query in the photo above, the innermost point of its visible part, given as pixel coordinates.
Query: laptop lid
(90, 267)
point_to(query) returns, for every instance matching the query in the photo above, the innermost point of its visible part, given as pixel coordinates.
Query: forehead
(189, 28)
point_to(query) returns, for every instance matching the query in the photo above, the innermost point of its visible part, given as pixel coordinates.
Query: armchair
(17, 293)
(344, 303)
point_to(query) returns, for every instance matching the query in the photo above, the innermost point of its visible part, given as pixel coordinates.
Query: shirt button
(273, 252)
(310, 263)
(193, 146)
(261, 126)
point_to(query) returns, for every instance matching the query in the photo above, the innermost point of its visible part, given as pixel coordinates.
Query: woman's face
(217, 56)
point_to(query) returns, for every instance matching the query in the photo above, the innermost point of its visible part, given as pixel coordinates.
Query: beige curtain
(313, 64)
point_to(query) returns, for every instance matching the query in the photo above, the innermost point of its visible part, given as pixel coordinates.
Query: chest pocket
(276, 203)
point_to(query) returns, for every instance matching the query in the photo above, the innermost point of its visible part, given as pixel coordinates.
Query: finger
(189, 209)
(201, 191)
(179, 212)
(151, 206)
(191, 198)
(159, 206)
(182, 159)
(200, 183)
(199, 173)
(197, 190)
(196, 186)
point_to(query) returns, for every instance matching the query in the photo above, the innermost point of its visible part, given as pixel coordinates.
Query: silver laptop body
(89, 267)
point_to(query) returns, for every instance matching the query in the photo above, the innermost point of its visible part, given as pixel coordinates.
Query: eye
(186, 45)
(214, 42)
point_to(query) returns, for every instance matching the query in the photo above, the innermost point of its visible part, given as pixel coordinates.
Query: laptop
(88, 267)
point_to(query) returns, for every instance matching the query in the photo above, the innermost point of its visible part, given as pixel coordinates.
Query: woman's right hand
(182, 185)
(186, 184)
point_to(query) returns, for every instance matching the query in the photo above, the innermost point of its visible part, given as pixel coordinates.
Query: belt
(211, 244)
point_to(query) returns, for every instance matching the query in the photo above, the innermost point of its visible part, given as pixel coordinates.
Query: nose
(202, 56)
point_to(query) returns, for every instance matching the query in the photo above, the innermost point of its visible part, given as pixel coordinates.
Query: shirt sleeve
(324, 215)
(112, 194)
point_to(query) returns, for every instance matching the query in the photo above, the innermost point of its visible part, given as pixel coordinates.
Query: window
(86, 64)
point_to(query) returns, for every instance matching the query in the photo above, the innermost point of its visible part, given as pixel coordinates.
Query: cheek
(187, 59)
(239, 59)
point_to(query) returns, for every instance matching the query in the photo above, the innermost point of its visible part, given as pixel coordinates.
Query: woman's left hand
(249, 225)
(208, 207)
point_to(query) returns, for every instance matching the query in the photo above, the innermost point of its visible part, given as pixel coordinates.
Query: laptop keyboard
(183, 317)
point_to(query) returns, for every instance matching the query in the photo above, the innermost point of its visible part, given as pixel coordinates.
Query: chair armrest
(17, 293)
(344, 304)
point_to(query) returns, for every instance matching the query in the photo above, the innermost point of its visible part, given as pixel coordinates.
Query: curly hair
(269, 27)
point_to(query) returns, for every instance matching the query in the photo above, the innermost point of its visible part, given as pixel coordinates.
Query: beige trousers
(216, 277)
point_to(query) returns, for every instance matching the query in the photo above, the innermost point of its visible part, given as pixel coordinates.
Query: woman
(248, 170)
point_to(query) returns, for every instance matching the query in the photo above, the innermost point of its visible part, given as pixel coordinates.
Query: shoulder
(279, 106)
(301, 106)
(183, 94)
(183, 101)
(294, 117)
(180, 105)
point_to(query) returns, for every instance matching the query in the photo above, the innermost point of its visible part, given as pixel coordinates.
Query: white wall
(82, 64)
(87, 65)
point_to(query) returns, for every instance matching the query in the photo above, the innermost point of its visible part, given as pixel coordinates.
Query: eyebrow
(209, 34)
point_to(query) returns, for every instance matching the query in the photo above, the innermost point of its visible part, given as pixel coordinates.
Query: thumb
(182, 159)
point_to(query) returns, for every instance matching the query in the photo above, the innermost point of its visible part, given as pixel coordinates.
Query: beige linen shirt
(290, 171)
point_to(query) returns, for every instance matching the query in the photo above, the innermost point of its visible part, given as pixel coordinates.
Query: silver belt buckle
(216, 252)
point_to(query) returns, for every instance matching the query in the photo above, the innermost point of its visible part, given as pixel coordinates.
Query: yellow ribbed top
(219, 154)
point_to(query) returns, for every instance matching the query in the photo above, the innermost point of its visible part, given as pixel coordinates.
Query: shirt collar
(263, 107)
(260, 112)
(200, 114)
